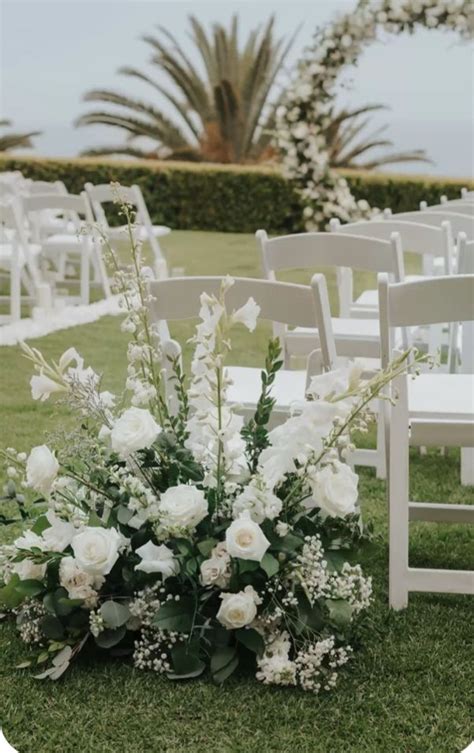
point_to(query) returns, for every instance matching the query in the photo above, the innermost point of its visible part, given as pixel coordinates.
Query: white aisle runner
(52, 321)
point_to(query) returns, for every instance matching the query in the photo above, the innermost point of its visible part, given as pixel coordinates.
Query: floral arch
(302, 118)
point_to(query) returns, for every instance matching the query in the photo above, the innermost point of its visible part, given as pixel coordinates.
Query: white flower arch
(302, 118)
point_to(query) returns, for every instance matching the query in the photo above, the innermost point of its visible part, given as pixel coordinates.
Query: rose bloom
(29, 570)
(334, 489)
(183, 506)
(238, 610)
(78, 583)
(135, 430)
(97, 549)
(41, 469)
(245, 539)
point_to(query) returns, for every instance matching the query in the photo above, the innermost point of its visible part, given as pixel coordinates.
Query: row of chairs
(433, 300)
(43, 226)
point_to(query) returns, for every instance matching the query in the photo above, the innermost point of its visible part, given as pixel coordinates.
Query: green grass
(408, 688)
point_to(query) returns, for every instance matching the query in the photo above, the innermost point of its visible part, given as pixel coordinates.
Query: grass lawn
(407, 690)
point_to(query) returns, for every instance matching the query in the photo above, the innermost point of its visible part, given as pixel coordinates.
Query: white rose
(134, 430)
(245, 539)
(182, 506)
(59, 534)
(29, 570)
(43, 387)
(238, 610)
(78, 583)
(41, 469)
(97, 549)
(215, 571)
(334, 489)
(157, 559)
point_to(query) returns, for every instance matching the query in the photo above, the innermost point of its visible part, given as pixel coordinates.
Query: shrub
(196, 196)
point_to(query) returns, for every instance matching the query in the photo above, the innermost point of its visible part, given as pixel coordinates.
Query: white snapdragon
(157, 559)
(41, 469)
(259, 500)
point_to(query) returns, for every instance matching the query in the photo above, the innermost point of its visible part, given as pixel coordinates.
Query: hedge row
(190, 196)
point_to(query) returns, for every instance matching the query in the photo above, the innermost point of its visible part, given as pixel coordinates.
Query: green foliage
(175, 615)
(255, 432)
(229, 198)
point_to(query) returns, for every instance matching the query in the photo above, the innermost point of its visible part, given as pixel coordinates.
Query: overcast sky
(52, 52)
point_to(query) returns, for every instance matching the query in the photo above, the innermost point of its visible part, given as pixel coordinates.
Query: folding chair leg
(381, 468)
(15, 293)
(398, 502)
(85, 276)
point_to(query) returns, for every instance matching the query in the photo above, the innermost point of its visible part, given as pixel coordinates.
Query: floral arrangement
(304, 115)
(189, 539)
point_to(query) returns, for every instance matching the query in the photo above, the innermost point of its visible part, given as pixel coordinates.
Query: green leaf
(175, 615)
(52, 628)
(115, 615)
(205, 547)
(9, 597)
(58, 603)
(29, 588)
(335, 560)
(340, 612)
(109, 638)
(41, 524)
(124, 515)
(270, 564)
(224, 662)
(247, 566)
(251, 639)
(186, 662)
(23, 664)
(184, 546)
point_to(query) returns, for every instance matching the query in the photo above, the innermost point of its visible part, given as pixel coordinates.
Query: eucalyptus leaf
(186, 662)
(175, 615)
(224, 662)
(114, 614)
(340, 612)
(52, 628)
(109, 638)
(251, 639)
(270, 564)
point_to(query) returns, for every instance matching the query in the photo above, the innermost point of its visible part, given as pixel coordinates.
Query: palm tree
(224, 116)
(347, 141)
(11, 141)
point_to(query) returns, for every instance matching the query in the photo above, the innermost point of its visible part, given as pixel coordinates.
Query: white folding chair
(146, 231)
(456, 202)
(459, 223)
(466, 194)
(354, 337)
(10, 263)
(434, 244)
(433, 409)
(286, 303)
(50, 221)
(17, 251)
(83, 245)
(464, 346)
(458, 207)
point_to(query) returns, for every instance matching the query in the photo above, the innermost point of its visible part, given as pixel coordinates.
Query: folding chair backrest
(458, 207)
(12, 219)
(47, 187)
(70, 205)
(417, 238)
(459, 223)
(284, 303)
(309, 250)
(465, 255)
(466, 194)
(446, 203)
(435, 300)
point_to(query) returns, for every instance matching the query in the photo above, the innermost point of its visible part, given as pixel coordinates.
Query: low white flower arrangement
(194, 542)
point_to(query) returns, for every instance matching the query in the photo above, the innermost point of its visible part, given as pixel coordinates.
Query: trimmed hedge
(232, 198)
